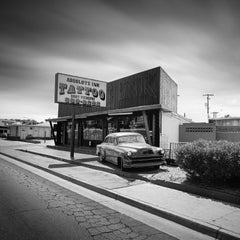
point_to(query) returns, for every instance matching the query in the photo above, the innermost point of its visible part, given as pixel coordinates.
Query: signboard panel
(80, 91)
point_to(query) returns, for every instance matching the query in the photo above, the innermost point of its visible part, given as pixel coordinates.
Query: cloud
(196, 42)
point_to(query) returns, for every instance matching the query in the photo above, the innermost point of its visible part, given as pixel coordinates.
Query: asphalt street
(32, 207)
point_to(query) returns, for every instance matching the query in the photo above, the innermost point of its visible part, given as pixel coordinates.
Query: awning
(115, 112)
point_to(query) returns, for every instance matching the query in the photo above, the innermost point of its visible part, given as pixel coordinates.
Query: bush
(210, 161)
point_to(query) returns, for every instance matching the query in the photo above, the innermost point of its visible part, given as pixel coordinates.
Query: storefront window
(92, 130)
(112, 126)
(69, 131)
(127, 124)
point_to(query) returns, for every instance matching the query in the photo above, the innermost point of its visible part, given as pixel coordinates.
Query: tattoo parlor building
(145, 102)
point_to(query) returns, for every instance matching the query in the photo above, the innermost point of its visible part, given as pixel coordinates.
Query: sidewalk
(216, 219)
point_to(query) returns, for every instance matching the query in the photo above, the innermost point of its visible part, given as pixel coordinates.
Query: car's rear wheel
(101, 156)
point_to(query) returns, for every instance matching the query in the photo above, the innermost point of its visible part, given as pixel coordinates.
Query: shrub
(210, 161)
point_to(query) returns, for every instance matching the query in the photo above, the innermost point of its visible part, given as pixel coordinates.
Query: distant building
(226, 121)
(189, 132)
(3, 128)
(23, 132)
(227, 128)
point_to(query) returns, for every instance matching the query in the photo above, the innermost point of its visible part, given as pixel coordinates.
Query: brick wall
(189, 132)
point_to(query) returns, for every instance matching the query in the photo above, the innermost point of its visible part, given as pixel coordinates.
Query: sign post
(83, 92)
(72, 135)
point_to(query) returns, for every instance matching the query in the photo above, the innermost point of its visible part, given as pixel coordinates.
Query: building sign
(81, 91)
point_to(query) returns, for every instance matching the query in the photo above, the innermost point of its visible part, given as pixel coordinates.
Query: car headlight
(129, 154)
(161, 151)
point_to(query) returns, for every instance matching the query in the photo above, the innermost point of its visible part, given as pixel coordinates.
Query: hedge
(210, 161)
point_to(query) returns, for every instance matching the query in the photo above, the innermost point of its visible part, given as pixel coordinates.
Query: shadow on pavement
(128, 174)
(62, 165)
(83, 160)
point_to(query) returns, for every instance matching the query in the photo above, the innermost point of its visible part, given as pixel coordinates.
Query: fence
(173, 147)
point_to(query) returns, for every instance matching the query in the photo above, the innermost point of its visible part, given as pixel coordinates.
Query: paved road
(32, 207)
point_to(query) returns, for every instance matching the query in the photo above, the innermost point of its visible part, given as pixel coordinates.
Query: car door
(104, 148)
(111, 150)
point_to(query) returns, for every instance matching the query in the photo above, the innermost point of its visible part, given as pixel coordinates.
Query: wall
(229, 133)
(170, 124)
(195, 131)
(135, 90)
(168, 92)
(34, 131)
(189, 132)
(24, 131)
(41, 132)
(13, 131)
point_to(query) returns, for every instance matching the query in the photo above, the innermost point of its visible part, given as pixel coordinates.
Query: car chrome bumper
(143, 163)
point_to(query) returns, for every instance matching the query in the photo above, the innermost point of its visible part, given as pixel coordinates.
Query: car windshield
(131, 139)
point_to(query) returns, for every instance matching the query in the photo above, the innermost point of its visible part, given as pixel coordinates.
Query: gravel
(167, 173)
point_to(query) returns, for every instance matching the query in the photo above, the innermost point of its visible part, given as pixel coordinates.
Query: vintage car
(129, 150)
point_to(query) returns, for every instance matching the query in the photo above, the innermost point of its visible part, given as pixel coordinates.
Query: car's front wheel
(120, 164)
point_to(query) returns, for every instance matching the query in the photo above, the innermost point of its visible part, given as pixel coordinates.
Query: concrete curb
(204, 228)
(209, 193)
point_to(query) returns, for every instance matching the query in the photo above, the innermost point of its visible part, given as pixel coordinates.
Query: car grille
(145, 151)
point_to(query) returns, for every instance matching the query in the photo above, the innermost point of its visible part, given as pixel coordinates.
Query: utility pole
(208, 99)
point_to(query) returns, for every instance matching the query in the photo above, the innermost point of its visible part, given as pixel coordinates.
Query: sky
(197, 42)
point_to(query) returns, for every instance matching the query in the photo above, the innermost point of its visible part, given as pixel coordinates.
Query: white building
(42, 130)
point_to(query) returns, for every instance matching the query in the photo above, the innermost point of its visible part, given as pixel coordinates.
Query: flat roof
(225, 118)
